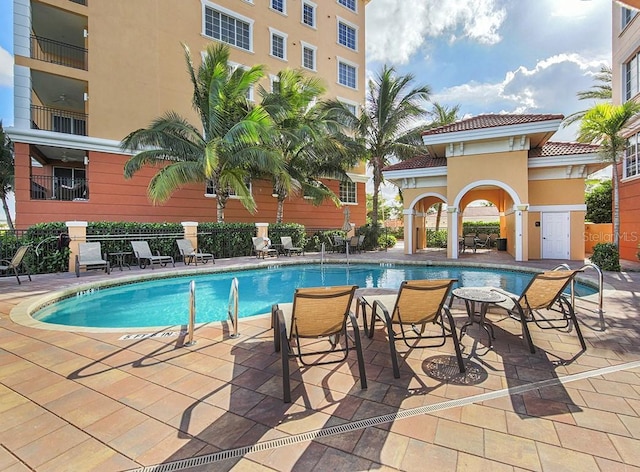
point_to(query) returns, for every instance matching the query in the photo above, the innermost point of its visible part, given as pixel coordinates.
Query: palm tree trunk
(6, 212)
(220, 208)
(438, 215)
(616, 205)
(280, 210)
(377, 181)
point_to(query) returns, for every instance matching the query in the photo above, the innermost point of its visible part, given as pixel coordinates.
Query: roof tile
(490, 121)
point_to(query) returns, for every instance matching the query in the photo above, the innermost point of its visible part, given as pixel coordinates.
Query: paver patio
(90, 401)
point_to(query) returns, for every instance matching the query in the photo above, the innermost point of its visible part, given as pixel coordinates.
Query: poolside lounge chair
(544, 292)
(469, 242)
(319, 314)
(289, 248)
(483, 241)
(262, 247)
(142, 252)
(15, 262)
(90, 257)
(190, 255)
(417, 303)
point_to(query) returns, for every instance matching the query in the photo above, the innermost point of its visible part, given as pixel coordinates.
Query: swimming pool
(165, 302)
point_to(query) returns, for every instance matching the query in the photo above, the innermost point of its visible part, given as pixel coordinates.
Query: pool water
(165, 302)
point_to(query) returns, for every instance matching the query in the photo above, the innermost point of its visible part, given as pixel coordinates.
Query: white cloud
(6, 68)
(549, 87)
(414, 21)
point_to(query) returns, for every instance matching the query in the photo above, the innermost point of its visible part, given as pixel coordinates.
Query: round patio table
(483, 296)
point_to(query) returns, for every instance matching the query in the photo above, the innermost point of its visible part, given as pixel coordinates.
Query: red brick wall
(629, 218)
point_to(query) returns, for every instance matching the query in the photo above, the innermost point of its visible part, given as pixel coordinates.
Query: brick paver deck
(75, 401)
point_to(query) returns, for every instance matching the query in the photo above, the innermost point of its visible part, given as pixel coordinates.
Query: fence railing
(60, 121)
(57, 52)
(45, 187)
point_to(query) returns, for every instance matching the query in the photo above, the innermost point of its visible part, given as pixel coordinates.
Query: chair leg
(284, 355)
(358, 343)
(456, 344)
(15, 271)
(392, 345)
(525, 330)
(572, 315)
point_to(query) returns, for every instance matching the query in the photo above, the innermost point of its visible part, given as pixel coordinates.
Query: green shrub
(294, 230)
(386, 240)
(606, 256)
(437, 238)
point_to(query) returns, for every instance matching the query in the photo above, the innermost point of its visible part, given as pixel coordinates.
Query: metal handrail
(232, 307)
(600, 288)
(192, 314)
(322, 254)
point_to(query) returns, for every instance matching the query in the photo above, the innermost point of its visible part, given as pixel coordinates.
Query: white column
(519, 211)
(452, 232)
(409, 236)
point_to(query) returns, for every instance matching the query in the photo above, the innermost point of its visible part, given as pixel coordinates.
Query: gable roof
(490, 121)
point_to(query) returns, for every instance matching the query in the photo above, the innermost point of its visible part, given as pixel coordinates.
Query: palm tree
(305, 138)
(221, 149)
(600, 92)
(389, 125)
(603, 125)
(7, 169)
(442, 115)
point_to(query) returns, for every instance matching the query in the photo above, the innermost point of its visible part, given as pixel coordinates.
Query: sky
(487, 56)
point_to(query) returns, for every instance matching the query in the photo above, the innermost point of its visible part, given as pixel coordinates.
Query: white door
(555, 235)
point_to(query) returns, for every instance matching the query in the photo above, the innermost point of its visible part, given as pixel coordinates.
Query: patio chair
(15, 262)
(289, 248)
(469, 242)
(142, 252)
(190, 255)
(262, 247)
(492, 239)
(319, 314)
(90, 257)
(355, 243)
(544, 292)
(483, 241)
(338, 244)
(417, 303)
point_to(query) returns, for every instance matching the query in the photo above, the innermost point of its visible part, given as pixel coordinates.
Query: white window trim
(231, 197)
(347, 101)
(339, 20)
(284, 8)
(272, 78)
(355, 194)
(315, 14)
(237, 65)
(349, 9)
(226, 11)
(349, 63)
(284, 36)
(315, 55)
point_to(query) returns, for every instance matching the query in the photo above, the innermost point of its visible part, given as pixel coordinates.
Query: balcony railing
(60, 121)
(56, 52)
(44, 187)
(80, 2)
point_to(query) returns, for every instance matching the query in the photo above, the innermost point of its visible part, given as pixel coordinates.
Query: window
(309, 14)
(631, 163)
(69, 125)
(347, 74)
(275, 83)
(348, 192)
(631, 78)
(210, 189)
(347, 35)
(627, 14)
(227, 28)
(278, 44)
(350, 4)
(349, 105)
(308, 56)
(279, 5)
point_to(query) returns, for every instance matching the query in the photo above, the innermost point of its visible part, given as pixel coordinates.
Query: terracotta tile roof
(420, 162)
(490, 121)
(551, 149)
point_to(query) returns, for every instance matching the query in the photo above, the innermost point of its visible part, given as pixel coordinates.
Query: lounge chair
(190, 255)
(15, 262)
(483, 241)
(142, 252)
(417, 303)
(492, 239)
(289, 248)
(90, 256)
(262, 247)
(544, 292)
(318, 313)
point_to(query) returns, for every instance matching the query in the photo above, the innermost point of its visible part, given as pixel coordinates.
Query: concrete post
(191, 232)
(263, 230)
(77, 231)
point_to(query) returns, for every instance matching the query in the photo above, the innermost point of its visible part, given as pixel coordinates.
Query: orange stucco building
(536, 185)
(89, 72)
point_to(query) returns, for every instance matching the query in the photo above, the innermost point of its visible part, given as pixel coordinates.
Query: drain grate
(377, 420)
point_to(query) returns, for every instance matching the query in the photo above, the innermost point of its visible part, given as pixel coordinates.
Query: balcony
(60, 121)
(44, 187)
(56, 52)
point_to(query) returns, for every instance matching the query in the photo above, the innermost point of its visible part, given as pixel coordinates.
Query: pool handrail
(192, 314)
(589, 265)
(232, 307)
